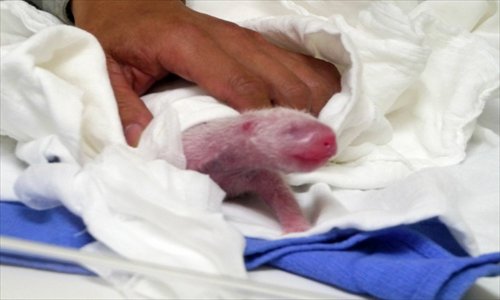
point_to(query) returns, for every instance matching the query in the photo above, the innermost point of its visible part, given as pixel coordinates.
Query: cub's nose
(321, 144)
(316, 143)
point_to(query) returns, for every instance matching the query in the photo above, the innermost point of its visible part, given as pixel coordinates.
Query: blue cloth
(55, 226)
(419, 261)
(394, 263)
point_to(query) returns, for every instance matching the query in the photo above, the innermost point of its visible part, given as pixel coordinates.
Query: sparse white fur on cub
(248, 153)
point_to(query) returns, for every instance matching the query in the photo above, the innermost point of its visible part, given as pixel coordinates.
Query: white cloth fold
(57, 104)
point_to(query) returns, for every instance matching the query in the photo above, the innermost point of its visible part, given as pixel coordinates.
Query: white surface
(49, 285)
(21, 283)
(138, 204)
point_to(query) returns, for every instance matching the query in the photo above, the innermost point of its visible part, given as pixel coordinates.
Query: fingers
(303, 81)
(133, 113)
(242, 69)
(285, 88)
(321, 78)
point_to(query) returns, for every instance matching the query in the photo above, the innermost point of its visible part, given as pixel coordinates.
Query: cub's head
(289, 140)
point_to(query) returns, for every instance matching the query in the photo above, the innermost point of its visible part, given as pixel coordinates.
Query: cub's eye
(248, 126)
(292, 129)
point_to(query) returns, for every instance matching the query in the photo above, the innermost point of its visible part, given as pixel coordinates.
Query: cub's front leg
(273, 190)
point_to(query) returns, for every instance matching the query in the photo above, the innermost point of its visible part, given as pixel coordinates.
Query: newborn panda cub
(248, 153)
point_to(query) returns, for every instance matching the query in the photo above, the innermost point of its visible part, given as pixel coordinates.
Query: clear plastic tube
(245, 288)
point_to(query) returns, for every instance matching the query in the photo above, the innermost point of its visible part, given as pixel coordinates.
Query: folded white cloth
(415, 78)
(57, 105)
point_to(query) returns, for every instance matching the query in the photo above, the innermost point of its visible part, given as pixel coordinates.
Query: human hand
(146, 40)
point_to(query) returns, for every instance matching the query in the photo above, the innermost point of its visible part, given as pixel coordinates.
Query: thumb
(134, 114)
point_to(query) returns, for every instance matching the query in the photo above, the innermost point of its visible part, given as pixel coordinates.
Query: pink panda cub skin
(248, 153)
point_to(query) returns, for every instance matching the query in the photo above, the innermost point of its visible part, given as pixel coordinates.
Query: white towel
(57, 103)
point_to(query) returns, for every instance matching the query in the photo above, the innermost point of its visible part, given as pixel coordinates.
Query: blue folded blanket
(419, 261)
(55, 226)
(394, 263)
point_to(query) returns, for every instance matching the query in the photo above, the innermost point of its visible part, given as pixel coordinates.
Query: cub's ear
(248, 126)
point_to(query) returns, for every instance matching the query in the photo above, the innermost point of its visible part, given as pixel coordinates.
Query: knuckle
(328, 77)
(322, 94)
(247, 92)
(235, 31)
(300, 93)
(187, 31)
(333, 79)
(233, 28)
(184, 40)
(246, 84)
(323, 91)
(256, 36)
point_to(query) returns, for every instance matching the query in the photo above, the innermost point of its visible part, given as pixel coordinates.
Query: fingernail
(133, 134)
